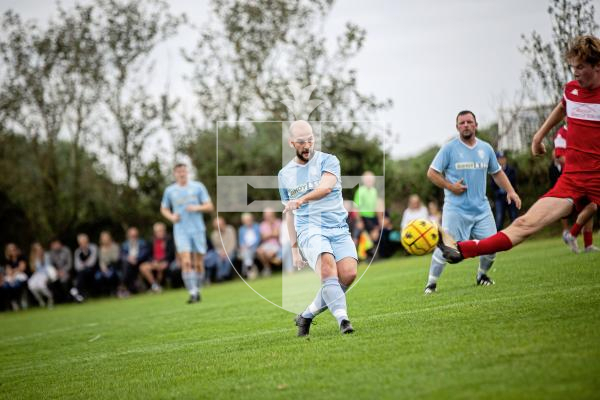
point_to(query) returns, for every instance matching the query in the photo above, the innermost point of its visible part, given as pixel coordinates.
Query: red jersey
(159, 250)
(560, 142)
(583, 119)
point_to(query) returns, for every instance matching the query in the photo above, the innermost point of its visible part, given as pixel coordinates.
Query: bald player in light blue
(311, 190)
(461, 168)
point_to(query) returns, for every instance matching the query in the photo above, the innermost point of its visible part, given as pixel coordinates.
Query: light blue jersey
(458, 161)
(295, 180)
(177, 198)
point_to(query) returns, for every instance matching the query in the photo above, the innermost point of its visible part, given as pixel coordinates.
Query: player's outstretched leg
(447, 245)
(544, 212)
(435, 270)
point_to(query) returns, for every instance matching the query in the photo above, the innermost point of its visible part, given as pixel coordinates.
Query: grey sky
(431, 58)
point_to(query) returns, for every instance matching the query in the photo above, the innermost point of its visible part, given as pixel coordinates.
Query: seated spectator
(248, 240)
(106, 276)
(15, 277)
(43, 274)
(62, 259)
(217, 261)
(163, 254)
(85, 260)
(390, 239)
(435, 215)
(174, 273)
(415, 210)
(3, 291)
(134, 252)
(287, 263)
(268, 250)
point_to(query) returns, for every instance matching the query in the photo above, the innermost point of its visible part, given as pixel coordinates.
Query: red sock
(576, 229)
(587, 238)
(490, 245)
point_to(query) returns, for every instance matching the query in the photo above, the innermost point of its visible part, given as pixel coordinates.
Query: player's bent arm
(296, 256)
(437, 179)
(167, 213)
(206, 207)
(203, 208)
(326, 184)
(555, 117)
(289, 220)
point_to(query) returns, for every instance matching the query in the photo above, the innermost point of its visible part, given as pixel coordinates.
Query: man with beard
(460, 168)
(311, 190)
(580, 182)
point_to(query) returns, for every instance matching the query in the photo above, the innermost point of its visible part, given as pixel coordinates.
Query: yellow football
(420, 237)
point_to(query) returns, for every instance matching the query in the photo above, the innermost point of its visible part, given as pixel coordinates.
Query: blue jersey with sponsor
(458, 161)
(295, 180)
(177, 198)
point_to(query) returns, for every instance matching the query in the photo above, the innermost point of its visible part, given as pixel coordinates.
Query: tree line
(77, 113)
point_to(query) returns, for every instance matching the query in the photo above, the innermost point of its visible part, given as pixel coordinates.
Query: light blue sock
(335, 299)
(437, 266)
(186, 281)
(318, 305)
(485, 263)
(190, 281)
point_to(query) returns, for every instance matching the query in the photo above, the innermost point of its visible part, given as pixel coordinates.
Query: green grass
(535, 334)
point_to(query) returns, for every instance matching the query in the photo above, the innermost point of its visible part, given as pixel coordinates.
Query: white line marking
(94, 338)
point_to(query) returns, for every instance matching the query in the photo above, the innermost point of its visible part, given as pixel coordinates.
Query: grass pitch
(535, 334)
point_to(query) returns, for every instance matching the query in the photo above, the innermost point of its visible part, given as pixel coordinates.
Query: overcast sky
(431, 58)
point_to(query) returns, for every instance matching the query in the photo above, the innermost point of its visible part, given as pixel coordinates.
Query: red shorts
(582, 187)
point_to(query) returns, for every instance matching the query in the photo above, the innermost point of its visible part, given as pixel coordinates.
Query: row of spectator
(108, 268)
(136, 265)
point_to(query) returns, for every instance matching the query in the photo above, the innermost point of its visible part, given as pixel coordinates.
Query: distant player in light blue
(311, 190)
(460, 168)
(183, 204)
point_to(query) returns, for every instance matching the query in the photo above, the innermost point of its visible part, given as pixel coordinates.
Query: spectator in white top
(43, 274)
(415, 210)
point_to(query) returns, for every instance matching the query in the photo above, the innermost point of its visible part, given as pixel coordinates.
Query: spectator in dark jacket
(134, 252)
(501, 205)
(61, 258)
(14, 277)
(162, 254)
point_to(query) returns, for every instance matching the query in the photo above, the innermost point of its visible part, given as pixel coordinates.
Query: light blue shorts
(464, 227)
(190, 242)
(335, 241)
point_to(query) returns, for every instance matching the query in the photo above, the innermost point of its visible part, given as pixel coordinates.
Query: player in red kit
(580, 182)
(585, 219)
